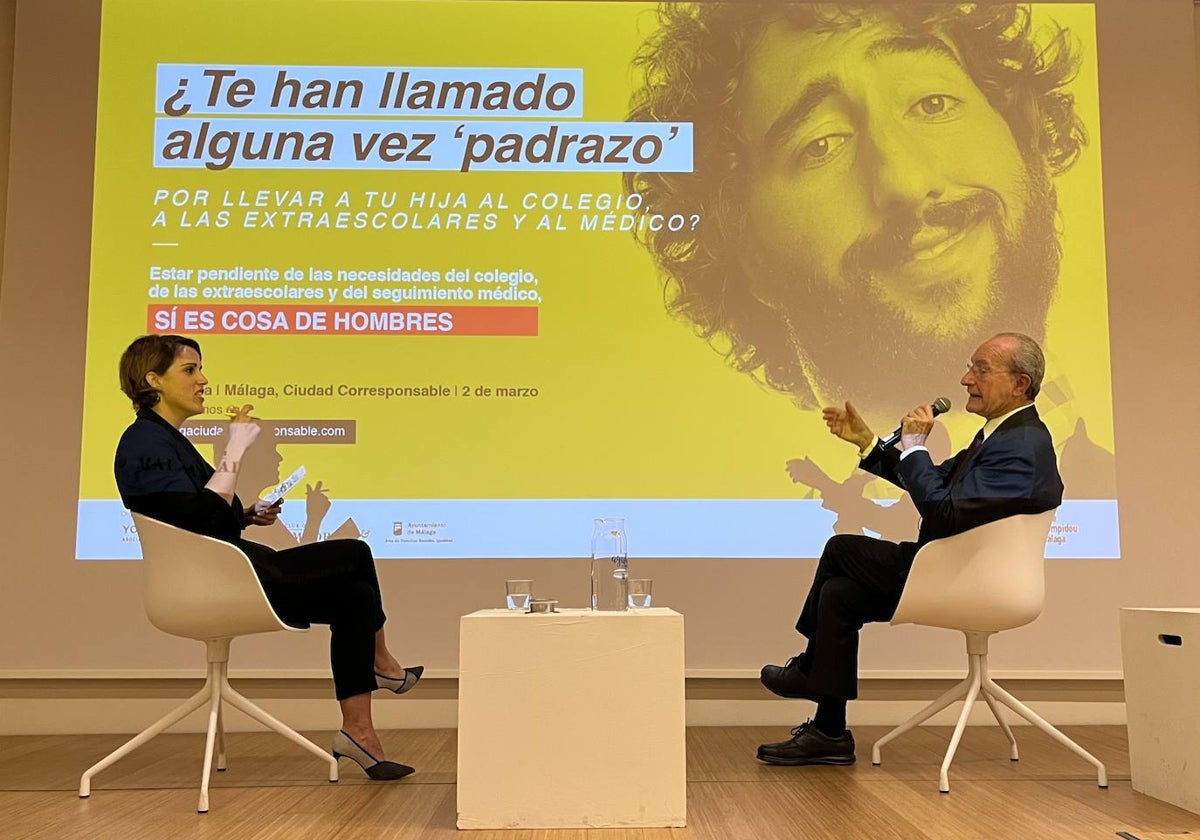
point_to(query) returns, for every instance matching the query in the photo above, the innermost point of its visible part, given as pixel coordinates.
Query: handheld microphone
(940, 406)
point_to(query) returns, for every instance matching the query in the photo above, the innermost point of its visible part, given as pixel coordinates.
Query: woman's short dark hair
(149, 354)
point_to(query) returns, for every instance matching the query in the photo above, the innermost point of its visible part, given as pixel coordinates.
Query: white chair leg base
(1034, 718)
(956, 693)
(976, 683)
(221, 765)
(216, 676)
(216, 689)
(248, 708)
(968, 703)
(170, 719)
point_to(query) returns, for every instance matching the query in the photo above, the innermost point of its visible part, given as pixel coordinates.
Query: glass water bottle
(610, 565)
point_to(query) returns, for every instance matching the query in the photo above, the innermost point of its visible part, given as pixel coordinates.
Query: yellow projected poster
(491, 270)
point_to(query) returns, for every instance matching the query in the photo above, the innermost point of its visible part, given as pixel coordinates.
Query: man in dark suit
(1008, 469)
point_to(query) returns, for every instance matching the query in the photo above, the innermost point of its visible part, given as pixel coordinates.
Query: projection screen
(488, 271)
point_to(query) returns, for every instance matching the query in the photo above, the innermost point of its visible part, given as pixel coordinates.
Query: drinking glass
(518, 593)
(639, 592)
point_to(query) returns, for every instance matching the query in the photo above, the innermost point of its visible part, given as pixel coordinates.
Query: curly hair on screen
(690, 69)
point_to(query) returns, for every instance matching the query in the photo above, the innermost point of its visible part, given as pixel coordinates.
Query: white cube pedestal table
(1160, 649)
(572, 719)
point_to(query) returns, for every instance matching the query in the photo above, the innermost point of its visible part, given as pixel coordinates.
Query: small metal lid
(543, 605)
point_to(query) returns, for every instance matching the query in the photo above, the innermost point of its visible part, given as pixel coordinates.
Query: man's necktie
(960, 465)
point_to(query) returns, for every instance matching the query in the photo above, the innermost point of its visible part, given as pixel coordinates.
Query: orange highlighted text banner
(343, 320)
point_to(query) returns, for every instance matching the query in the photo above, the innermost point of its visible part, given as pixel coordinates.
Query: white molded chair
(980, 582)
(204, 589)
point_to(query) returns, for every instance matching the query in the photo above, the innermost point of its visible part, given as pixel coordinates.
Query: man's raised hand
(845, 422)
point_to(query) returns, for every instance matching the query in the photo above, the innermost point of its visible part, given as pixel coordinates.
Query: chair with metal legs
(980, 582)
(204, 589)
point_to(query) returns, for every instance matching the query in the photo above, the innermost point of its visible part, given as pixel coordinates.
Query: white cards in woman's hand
(279, 492)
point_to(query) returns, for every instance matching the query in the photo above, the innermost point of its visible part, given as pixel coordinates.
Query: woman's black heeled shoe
(380, 771)
(411, 677)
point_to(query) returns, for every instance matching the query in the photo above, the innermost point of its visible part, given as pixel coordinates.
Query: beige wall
(8, 14)
(60, 615)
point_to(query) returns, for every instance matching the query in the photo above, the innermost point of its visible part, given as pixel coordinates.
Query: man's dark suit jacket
(1013, 471)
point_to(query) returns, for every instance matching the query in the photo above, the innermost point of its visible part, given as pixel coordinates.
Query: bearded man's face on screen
(876, 187)
(892, 214)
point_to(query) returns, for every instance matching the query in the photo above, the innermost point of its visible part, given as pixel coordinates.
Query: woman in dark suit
(161, 475)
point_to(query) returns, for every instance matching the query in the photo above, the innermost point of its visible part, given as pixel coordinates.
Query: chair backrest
(986, 579)
(199, 587)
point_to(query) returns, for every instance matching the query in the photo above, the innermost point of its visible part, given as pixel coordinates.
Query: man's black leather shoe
(789, 679)
(808, 745)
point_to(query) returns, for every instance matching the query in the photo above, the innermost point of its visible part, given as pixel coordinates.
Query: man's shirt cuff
(910, 449)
